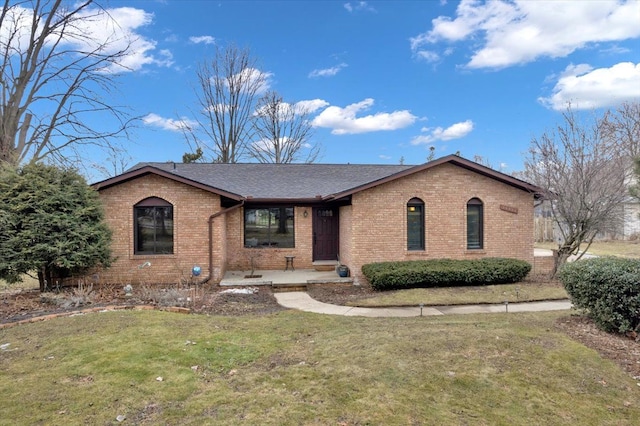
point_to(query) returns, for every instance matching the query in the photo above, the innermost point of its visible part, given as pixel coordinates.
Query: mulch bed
(20, 305)
(621, 349)
(17, 306)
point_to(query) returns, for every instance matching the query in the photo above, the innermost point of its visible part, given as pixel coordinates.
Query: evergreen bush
(52, 224)
(444, 272)
(608, 288)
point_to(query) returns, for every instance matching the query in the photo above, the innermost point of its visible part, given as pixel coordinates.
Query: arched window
(475, 224)
(415, 224)
(153, 223)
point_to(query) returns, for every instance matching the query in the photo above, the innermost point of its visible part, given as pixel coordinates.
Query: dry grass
(521, 292)
(295, 368)
(629, 249)
(28, 283)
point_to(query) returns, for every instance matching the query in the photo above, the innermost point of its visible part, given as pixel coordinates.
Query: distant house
(221, 216)
(631, 224)
(625, 225)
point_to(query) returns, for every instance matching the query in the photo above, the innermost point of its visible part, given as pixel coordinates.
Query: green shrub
(444, 272)
(608, 289)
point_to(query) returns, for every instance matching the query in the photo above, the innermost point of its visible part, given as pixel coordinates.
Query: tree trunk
(560, 257)
(45, 278)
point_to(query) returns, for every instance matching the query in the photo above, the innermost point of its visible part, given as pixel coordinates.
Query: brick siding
(372, 228)
(378, 219)
(270, 258)
(191, 210)
(542, 267)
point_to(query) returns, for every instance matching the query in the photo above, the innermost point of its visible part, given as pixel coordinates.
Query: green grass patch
(296, 368)
(521, 292)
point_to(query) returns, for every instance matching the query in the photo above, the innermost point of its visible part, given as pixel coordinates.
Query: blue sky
(390, 79)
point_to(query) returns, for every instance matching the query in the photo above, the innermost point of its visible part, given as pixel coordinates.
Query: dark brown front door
(325, 233)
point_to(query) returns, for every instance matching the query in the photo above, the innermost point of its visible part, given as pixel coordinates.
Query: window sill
(475, 251)
(265, 247)
(416, 253)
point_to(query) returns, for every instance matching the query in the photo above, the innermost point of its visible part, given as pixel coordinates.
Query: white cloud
(254, 76)
(310, 106)
(520, 31)
(165, 58)
(217, 108)
(117, 27)
(202, 39)
(615, 50)
(170, 124)
(343, 121)
(287, 111)
(108, 31)
(587, 88)
(359, 6)
(284, 112)
(267, 145)
(455, 131)
(327, 72)
(428, 55)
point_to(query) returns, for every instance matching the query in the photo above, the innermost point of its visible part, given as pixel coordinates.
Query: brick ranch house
(219, 216)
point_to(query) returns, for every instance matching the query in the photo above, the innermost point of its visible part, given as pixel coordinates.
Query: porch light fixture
(305, 213)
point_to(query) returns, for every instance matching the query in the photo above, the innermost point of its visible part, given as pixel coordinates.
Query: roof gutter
(289, 201)
(210, 221)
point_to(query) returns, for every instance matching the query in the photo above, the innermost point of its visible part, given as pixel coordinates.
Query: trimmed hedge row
(608, 289)
(444, 272)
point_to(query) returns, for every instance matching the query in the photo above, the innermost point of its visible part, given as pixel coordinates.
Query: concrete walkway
(302, 301)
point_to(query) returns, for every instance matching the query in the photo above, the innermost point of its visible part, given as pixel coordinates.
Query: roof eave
(453, 159)
(306, 200)
(145, 170)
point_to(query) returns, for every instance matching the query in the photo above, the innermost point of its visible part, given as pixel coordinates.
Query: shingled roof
(301, 182)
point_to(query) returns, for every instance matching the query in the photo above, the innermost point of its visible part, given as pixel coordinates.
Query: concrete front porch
(279, 279)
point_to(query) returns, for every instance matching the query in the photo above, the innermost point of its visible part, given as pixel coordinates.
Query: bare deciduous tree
(621, 128)
(484, 161)
(283, 132)
(54, 71)
(583, 178)
(115, 161)
(227, 90)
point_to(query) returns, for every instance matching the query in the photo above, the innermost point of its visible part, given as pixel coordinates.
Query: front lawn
(293, 368)
(512, 293)
(605, 248)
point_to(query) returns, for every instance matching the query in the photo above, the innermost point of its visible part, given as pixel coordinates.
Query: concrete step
(325, 265)
(283, 287)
